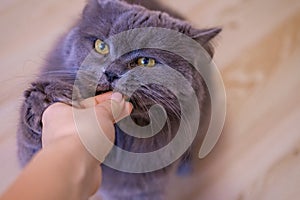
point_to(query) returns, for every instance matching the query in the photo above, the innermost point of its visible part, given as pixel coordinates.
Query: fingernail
(118, 97)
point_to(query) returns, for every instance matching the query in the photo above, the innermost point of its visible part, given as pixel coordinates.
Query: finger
(51, 112)
(122, 109)
(115, 111)
(107, 113)
(127, 109)
(92, 101)
(57, 123)
(103, 97)
(115, 106)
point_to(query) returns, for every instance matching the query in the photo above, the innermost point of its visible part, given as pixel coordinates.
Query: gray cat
(100, 20)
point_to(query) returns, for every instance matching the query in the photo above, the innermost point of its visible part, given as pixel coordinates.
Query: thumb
(95, 125)
(114, 109)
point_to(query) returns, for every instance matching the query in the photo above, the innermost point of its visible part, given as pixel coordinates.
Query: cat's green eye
(101, 47)
(146, 62)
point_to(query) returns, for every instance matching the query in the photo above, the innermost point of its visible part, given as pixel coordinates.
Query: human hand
(88, 133)
(68, 165)
(61, 120)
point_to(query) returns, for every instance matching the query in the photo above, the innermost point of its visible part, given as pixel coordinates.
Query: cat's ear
(205, 36)
(97, 3)
(102, 2)
(107, 7)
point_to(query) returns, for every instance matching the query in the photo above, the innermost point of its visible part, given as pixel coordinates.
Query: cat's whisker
(69, 76)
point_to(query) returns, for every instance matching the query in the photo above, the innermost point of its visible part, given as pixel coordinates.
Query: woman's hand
(68, 165)
(59, 120)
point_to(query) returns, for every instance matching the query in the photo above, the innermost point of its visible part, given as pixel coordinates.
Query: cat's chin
(140, 113)
(141, 118)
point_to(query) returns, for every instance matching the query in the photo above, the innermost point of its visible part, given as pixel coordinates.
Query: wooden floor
(258, 53)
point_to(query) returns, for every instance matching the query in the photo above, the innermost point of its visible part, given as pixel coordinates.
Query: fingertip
(118, 97)
(103, 97)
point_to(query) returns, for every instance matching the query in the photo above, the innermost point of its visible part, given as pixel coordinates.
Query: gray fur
(103, 19)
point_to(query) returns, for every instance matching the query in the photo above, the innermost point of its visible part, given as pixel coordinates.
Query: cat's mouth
(143, 101)
(139, 113)
(102, 92)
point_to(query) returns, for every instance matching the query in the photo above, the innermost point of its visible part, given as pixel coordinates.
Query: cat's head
(103, 19)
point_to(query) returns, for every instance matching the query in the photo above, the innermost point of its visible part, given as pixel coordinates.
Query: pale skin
(64, 169)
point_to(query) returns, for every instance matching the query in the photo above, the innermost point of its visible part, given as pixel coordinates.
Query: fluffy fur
(102, 19)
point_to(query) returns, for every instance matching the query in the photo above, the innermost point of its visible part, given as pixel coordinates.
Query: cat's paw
(40, 96)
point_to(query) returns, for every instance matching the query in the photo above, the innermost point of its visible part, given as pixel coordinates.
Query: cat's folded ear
(106, 6)
(106, 1)
(205, 37)
(102, 1)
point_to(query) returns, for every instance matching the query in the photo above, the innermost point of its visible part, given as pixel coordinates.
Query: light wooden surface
(258, 53)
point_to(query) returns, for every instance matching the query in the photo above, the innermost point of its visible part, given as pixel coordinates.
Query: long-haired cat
(100, 20)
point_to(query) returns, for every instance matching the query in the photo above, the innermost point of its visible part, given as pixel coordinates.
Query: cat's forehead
(142, 18)
(107, 18)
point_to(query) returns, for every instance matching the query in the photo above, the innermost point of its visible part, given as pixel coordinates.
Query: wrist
(87, 171)
(83, 169)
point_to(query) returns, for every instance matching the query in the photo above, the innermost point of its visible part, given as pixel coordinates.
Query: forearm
(61, 171)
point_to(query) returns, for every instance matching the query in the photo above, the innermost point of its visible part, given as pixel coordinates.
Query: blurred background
(258, 54)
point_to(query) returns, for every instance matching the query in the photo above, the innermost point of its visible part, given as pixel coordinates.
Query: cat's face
(103, 19)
